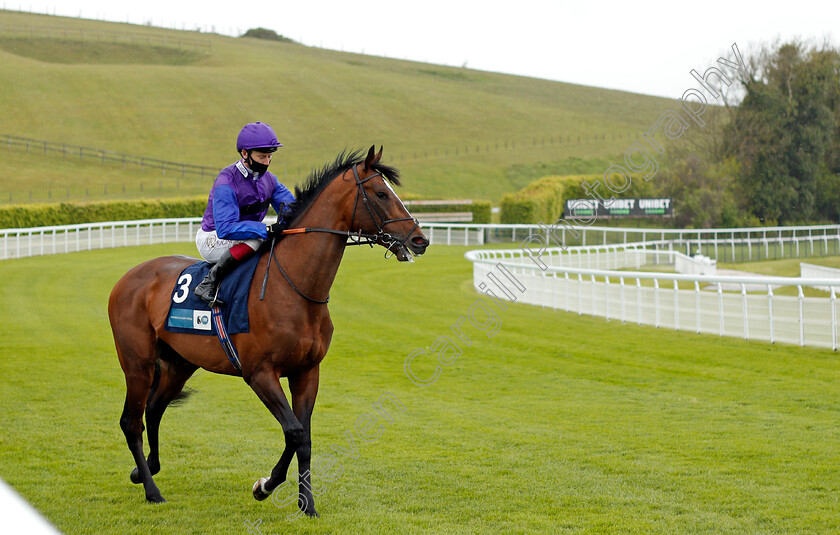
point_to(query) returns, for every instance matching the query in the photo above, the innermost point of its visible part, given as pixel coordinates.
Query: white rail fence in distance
(598, 281)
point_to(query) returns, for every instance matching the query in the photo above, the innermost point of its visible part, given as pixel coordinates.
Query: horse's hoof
(311, 513)
(155, 499)
(259, 491)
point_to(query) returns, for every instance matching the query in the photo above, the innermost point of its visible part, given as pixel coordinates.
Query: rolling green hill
(182, 97)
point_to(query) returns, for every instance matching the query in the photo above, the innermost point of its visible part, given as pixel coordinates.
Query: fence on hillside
(78, 152)
(176, 171)
(87, 34)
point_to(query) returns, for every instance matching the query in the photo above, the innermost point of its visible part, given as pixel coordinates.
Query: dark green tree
(263, 33)
(784, 134)
(701, 189)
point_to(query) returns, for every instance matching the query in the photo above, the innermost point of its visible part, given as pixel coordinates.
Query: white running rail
(37, 241)
(723, 245)
(591, 279)
(597, 281)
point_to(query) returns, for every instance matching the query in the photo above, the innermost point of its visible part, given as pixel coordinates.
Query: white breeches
(211, 248)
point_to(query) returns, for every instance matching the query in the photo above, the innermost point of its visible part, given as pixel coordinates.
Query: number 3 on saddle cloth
(189, 314)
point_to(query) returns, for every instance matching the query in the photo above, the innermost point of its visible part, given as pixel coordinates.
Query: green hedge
(39, 215)
(481, 211)
(541, 200)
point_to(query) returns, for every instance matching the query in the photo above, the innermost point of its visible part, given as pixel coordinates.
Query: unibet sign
(585, 208)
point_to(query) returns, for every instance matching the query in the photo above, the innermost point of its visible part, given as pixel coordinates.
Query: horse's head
(379, 211)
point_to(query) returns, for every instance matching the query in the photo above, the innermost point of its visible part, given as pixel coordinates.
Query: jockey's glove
(274, 230)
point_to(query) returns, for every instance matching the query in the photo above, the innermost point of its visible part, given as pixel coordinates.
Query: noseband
(355, 238)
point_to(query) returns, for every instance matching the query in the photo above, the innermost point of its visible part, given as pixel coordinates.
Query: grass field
(557, 423)
(454, 132)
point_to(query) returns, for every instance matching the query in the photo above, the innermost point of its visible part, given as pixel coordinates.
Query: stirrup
(215, 302)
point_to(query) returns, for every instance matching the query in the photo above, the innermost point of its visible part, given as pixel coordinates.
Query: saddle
(189, 314)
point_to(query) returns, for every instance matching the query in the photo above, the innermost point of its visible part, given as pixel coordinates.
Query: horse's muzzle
(418, 244)
(414, 246)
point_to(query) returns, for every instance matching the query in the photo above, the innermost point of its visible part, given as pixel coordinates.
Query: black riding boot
(206, 290)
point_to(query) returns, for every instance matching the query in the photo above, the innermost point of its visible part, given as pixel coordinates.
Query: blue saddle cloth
(189, 314)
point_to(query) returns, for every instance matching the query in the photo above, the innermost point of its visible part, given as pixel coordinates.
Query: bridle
(354, 238)
(381, 236)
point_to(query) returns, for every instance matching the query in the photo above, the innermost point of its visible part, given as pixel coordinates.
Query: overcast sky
(644, 46)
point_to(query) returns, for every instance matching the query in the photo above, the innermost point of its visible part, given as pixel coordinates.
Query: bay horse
(290, 329)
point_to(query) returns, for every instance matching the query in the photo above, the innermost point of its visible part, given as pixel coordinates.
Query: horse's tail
(186, 392)
(155, 382)
(183, 396)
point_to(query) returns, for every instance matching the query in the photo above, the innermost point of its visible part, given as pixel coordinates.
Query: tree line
(771, 154)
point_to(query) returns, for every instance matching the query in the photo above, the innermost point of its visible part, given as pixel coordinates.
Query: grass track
(558, 423)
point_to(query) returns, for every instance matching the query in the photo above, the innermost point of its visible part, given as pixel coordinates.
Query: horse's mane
(319, 179)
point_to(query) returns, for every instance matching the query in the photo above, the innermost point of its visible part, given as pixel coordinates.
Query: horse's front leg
(266, 385)
(304, 387)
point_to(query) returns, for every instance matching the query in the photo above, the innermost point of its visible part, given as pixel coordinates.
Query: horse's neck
(314, 257)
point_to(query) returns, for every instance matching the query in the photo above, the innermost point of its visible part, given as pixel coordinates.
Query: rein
(285, 276)
(355, 238)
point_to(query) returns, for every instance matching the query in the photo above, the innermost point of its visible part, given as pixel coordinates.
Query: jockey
(232, 228)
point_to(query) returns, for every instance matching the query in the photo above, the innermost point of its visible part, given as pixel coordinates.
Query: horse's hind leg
(137, 357)
(171, 373)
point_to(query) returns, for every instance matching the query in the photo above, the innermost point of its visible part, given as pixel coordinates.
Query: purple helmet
(257, 136)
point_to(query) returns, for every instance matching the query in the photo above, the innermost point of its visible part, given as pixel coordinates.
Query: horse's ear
(370, 159)
(379, 154)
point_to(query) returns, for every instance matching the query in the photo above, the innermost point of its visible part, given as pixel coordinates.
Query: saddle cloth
(189, 314)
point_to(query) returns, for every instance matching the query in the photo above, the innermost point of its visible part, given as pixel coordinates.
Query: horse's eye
(382, 195)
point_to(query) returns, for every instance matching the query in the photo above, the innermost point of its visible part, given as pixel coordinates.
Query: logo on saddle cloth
(189, 319)
(189, 314)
